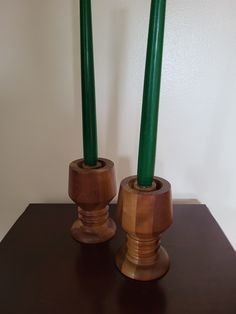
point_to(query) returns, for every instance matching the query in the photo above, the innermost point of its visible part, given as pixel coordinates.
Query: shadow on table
(95, 270)
(141, 297)
(109, 290)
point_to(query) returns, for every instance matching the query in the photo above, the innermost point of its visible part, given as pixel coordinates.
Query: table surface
(43, 270)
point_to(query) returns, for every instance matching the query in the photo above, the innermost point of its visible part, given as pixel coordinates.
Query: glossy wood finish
(144, 214)
(92, 189)
(44, 271)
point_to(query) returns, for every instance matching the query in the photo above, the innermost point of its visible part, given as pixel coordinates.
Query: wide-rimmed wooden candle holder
(144, 213)
(92, 189)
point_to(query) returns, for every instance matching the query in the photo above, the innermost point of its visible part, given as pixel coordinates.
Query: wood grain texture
(144, 214)
(92, 189)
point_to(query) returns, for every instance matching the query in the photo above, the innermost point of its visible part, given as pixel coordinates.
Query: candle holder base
(144, 214)
(149, 266)
(93, 226)
(92, 189)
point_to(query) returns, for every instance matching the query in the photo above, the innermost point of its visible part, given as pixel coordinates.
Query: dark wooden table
(43, 270)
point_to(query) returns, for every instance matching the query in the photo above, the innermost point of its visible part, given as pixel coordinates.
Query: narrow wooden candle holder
(144, 213)
(92, 189)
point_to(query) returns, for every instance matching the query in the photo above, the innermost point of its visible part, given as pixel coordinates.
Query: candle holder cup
(144, 213)
(92, 189)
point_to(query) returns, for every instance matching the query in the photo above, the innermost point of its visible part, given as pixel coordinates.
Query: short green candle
(151, 93)
(88, 85)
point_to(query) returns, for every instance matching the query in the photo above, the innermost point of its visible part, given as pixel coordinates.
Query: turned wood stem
(142, 251)
(93, 218)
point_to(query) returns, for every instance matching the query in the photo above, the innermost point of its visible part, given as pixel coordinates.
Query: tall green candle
(88, 85)
(151, 92)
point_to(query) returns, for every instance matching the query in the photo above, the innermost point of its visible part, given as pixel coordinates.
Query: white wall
(40, 115)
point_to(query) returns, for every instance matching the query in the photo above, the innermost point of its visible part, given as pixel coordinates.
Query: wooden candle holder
(144, 213)
(92, 189)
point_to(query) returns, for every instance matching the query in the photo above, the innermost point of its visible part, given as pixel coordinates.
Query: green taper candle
(88, 85)
(151, 93)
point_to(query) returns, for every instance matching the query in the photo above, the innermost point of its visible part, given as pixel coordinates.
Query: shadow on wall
(76, 72)
(118, 44)
(40, 92)
(218, 153)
